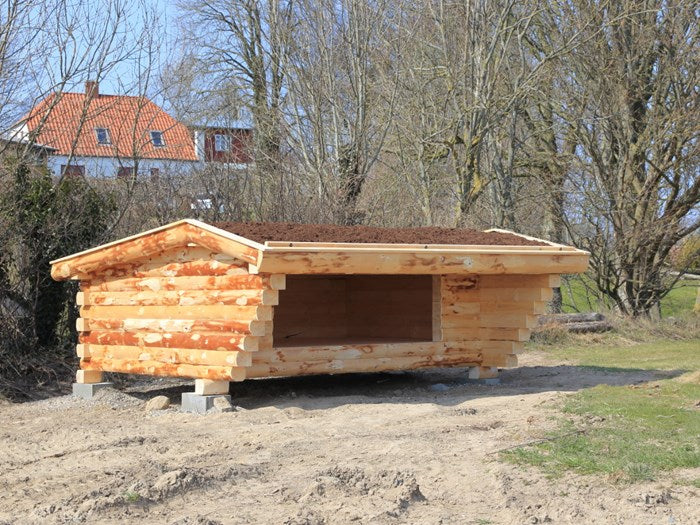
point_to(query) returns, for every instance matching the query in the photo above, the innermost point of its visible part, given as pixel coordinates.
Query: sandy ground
(415, 448)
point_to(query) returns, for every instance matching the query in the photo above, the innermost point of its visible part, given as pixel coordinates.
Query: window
(103, 136)
(222, 142)
(72, 170)
(157, 139)
(155, 174)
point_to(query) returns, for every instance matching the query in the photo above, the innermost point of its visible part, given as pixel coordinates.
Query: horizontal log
(512, 295)
(476, 349)
(452, 309)
(223, 312)
(358, 365)
(180, 298)
(166, 355)
(200, 340)
(257, 328)
(487, 320)
(155, 368)
(486, 334)
(519, 281)
(182, 261)
(425, 262)
(156, 284)
(571, 318)
(589, 327)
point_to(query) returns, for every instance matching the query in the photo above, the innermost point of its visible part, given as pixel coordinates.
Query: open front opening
(316, 310)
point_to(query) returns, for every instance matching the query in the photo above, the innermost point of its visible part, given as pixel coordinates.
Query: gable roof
(292, 257)
(61, 117)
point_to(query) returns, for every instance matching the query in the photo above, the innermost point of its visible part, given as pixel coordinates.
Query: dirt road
(415, 448)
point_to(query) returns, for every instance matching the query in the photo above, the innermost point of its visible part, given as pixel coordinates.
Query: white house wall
(108, 167)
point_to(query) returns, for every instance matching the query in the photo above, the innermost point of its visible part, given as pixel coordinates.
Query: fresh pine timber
(206, 387)
(88, 376)
(252, 327)
(196, 301)
(179, 298)
(203, 340)
(156, 368)
(167, 355)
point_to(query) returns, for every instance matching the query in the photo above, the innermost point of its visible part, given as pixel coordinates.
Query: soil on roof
(292, 232)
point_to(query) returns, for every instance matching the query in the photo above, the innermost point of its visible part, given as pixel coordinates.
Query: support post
(204, 397)
(88, 383)
(486, 374)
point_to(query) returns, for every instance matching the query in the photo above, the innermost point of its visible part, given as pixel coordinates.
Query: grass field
(630, 433)
(578, 298)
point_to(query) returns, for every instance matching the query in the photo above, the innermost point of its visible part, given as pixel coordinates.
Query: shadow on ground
(440, 386)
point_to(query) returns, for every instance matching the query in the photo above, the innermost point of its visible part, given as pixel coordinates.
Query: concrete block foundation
(88, 390)
(197, 404)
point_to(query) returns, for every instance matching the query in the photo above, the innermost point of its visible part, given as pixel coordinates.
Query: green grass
(577, 298)
(657, 355)
(629, 433)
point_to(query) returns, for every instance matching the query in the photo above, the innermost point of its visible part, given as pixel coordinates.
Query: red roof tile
(128, 119)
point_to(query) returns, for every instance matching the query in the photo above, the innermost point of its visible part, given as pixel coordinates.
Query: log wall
(188, 312)
(497, 311)
(192, 312)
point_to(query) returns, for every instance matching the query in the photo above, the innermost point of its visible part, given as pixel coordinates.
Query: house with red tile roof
(115, 135)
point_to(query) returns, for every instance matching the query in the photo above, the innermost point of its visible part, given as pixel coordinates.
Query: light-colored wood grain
(357, 365)
(359, 262)
(170, 355)
(256, 328)
(223, 312)
(206, 387)
(179, 298)
(200, 340)
(156, 368)
(157, 284)
(88, 376)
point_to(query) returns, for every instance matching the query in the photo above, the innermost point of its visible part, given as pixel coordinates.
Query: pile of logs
(577, 323)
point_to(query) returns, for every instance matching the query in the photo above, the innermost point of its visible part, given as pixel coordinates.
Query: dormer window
(157, 139)
(103, 136)
(222, 142)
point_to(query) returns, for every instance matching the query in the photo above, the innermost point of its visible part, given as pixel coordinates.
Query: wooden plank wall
(362, 308)
(493, 314)
(187, 312)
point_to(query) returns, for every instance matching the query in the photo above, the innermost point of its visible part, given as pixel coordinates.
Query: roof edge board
(119, 241)
(191, 222)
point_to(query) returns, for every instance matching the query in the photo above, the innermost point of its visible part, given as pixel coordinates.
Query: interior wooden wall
(353, 308)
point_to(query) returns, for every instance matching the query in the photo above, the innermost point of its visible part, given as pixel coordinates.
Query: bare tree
(629, 102)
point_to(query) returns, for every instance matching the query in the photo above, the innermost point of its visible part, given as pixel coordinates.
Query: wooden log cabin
(198, 301)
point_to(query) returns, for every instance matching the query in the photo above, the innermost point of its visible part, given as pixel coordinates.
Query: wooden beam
(155, 368)
(206, 387)
(272, 246)
(426, 262)
(252, 327)
(253, 297)
(195, 340)
(170, 355)
(158, 284)
(358, 365)
(88, 376)
(205, 312)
